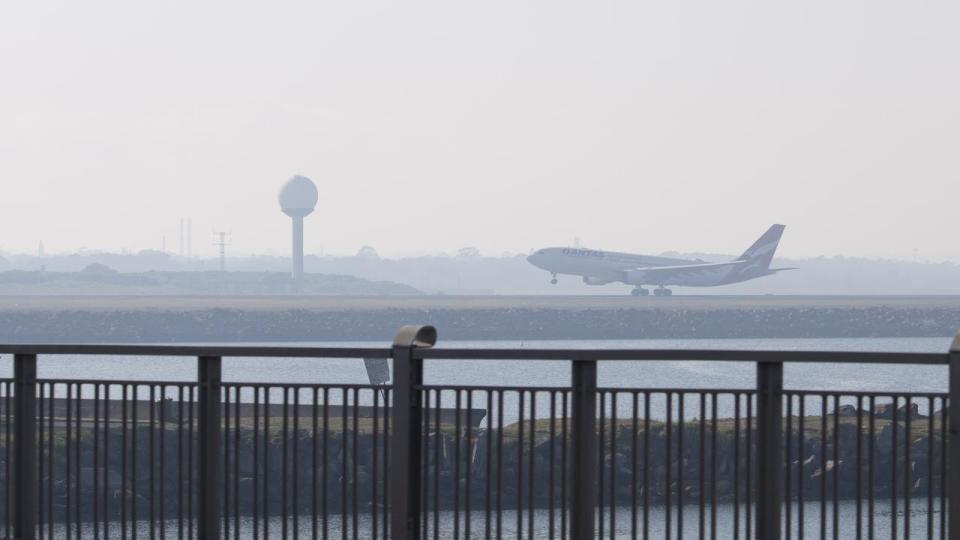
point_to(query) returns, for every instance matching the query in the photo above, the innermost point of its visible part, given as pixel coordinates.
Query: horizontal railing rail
(408, 460)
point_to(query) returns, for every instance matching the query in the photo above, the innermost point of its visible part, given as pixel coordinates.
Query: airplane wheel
(667, 292)
(553, 281)
(639, 292)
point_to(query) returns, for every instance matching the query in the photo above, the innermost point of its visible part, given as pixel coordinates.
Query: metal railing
(212, 459)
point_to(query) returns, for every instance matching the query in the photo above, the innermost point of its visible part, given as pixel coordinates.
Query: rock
(847, 411)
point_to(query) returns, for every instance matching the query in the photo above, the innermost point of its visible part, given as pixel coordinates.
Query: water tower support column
(297, 248)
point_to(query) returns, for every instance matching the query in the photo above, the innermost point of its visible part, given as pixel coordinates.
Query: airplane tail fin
(761, 252)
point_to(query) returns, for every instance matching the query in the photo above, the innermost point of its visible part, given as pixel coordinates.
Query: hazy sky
(641, 126)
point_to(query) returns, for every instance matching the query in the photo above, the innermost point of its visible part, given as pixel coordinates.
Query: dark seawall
(228, 319)
(829, 460)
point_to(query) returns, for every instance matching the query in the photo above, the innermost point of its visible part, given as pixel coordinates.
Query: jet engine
(595, 281)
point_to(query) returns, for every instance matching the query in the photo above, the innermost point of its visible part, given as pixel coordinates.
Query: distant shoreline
(365, 318)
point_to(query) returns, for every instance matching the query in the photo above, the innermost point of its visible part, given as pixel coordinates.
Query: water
(540, 521)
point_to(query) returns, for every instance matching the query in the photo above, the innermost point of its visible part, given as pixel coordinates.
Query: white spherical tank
(298, 196)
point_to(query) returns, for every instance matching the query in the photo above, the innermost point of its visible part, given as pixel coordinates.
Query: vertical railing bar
(871, 469)
(255, 440)
(601, 470)
(266, 462)
(106, 460)
(583, 472)
(801, 449)
(96, 461)
(668, 466)
(769, 448)
(192, 395)
(788, 494)
(284, 460)
(151, 457)
(488, 491)
(736, 465)
(836, 467)
(748, 525)
(681, 427)
(634, 465)
(344, 456)
(425, 497)
(551, 491)
(859, 475)
(123, 460)
(437, 443)
(564, 476)
(944, 456)
(952, 459)
(354, 457)
(50, 451)
(930, 456)
(41, 438)
(326, 463)
(907, 485)
(77, 456)
(520, 441)
(701, 469)
(68, 458)
(646, 465)
(713, 467)
(8, 452)
(25, 448)
(225, 444)
(374, 455)
(236, 461)
(180, 469)
(531, 489)
(296, 462)
(210, 474)
(468, 463)
(613, 465)
(314, 502)
(407, 437)
(893, 469)
(500, 464)
(823, 465)
(456, 464)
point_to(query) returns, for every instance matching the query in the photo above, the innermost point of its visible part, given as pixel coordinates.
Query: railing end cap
(423, 336)
(955, 347)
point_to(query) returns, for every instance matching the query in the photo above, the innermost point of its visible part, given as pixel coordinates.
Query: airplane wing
(655, 274)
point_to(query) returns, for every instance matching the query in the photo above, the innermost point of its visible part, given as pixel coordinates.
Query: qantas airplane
(602, 267)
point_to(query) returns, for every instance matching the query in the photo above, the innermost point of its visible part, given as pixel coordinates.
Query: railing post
(209, 378)
(25, 446)
(953, 443)
(769, 449)
(405, 442)
(583, 462)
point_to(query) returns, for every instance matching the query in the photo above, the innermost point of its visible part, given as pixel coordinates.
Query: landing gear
(553, 279)
(640, 291)
(662, 292)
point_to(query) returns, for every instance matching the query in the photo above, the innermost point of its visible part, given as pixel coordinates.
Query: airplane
(602, 267)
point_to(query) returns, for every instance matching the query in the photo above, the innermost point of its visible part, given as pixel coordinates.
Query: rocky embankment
(815, 461)
(226, 319)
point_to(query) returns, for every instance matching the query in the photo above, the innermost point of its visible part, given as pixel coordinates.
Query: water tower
(298, 197)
